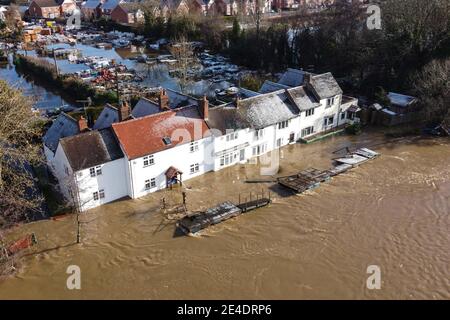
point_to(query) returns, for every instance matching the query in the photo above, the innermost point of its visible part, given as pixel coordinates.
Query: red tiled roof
(143, 136)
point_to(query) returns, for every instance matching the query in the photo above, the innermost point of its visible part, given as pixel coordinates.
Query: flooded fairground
(392, 212)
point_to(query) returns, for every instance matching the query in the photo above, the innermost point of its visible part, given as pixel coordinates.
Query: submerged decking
(195, 222)
(311, 178)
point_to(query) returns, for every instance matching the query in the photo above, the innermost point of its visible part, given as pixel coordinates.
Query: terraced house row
(130, 153)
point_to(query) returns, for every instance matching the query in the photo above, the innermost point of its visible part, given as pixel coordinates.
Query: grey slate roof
(269, 86)
(303, 98)
(256, 112)
(110, 4)
(63, 126)
(107, 117)
(144, 107)
(91, 4)
(91, 149)
(178, 100)
(292, 77)
(246, 93)
(325, 86)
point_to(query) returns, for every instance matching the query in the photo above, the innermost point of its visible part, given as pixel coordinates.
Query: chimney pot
(163, 100)
(124, 111)
(82, 124)
(204, 107)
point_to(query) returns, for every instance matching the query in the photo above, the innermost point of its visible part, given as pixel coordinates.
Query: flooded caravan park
(392, 212)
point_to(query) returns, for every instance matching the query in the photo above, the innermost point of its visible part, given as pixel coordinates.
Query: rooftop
(107, 117)
(91, 149)
(143, 136)
(63, 126)
(325, 86)
(292, 77)
(256, 112)
(269, 86)
(303, 98)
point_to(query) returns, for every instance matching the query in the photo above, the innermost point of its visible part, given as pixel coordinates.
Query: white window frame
(259, 149)
(259, 134)
(330, 102)
(194, 168)
(283, 124)
(148, 161)
(95, 171)
(101, 193)
(279, 142)
(309, 112)
(307, 131)
(326, 121)
(193, 147)
(95, 196)
(231, 136)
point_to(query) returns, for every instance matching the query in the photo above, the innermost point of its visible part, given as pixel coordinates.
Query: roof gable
(63, 126)
(107, 117)
(325, 86)
(145, 107)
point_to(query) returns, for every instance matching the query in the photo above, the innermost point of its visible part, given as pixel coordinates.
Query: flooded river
(392, 212)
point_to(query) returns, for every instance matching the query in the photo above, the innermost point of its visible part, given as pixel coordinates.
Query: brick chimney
(204, 107)
(82, 124)
(124, 111)
(307, 78)
(237, 101)
(163, 100)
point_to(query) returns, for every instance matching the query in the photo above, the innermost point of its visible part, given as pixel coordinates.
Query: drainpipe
(131, 179)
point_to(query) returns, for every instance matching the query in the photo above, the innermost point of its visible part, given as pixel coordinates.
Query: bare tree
(432, 86)
(183, 52)
(19, 151)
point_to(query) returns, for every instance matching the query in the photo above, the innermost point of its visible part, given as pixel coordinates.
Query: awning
(172, 172)
(353, 108)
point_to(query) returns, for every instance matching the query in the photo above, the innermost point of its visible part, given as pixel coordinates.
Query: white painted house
(91, 169)
(172, 141)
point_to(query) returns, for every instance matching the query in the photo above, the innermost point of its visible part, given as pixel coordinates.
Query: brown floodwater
(392, 212)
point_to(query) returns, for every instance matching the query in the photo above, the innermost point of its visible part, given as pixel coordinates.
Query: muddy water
(392, 212)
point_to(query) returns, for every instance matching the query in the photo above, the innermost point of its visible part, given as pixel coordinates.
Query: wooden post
(184, 197)
(56, 65)
(78, 229)
(239, 198)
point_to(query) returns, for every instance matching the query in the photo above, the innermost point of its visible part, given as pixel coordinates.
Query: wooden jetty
(217, 214)
(312, 178)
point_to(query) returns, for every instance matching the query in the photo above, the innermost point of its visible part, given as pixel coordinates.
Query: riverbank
(392, 212)
(70, 85)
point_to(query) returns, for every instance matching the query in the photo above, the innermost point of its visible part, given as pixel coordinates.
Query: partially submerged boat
(357, 157)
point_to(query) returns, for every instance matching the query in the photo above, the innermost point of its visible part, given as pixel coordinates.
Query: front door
(242, 155)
